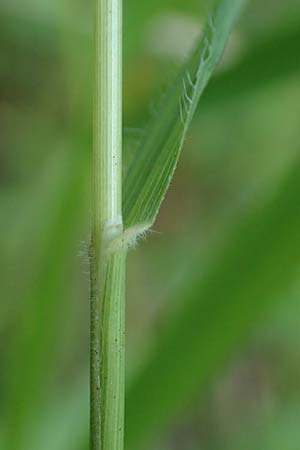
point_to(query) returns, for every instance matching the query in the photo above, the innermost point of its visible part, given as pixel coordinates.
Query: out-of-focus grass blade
(152, 169)
(255, 267)
(42, 310)
(64, 424)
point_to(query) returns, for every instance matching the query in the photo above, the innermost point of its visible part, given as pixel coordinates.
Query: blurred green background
(213, 313)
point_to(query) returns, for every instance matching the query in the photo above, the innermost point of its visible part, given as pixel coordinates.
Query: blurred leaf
(64, 423)
(255, 267)
(152, 169)
(43, 307)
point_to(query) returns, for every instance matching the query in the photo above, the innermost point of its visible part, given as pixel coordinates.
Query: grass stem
(107, 268)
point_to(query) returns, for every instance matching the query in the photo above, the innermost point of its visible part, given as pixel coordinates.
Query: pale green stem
(107, 268)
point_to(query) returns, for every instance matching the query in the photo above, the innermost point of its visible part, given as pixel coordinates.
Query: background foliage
(212, 298)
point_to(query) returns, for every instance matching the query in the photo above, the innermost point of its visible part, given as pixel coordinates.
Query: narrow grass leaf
(40, 321)
(156, 157)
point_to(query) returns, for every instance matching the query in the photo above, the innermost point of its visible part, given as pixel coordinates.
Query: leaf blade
(151, 172)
